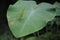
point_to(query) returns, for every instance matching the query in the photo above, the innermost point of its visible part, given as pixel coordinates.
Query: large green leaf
(26, 17)
(32, 38)
(57, 4)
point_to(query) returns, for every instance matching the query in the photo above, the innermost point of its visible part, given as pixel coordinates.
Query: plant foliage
(27, 17)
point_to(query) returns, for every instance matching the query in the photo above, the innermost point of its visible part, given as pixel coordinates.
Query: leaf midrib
(28, 18)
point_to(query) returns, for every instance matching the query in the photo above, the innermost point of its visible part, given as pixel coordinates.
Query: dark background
(4, 4)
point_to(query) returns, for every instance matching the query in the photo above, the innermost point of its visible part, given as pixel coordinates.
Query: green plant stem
(22, 38)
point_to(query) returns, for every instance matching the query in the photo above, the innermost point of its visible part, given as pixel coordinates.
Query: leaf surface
(26, 17)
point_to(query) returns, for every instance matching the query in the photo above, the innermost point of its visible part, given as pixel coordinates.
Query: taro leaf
(26, 17)
(57, 4)
(32, 38)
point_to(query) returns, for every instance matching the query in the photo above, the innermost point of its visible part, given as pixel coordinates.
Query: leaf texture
(26, 17)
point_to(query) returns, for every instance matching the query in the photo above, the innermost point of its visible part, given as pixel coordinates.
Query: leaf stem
(22, 38)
